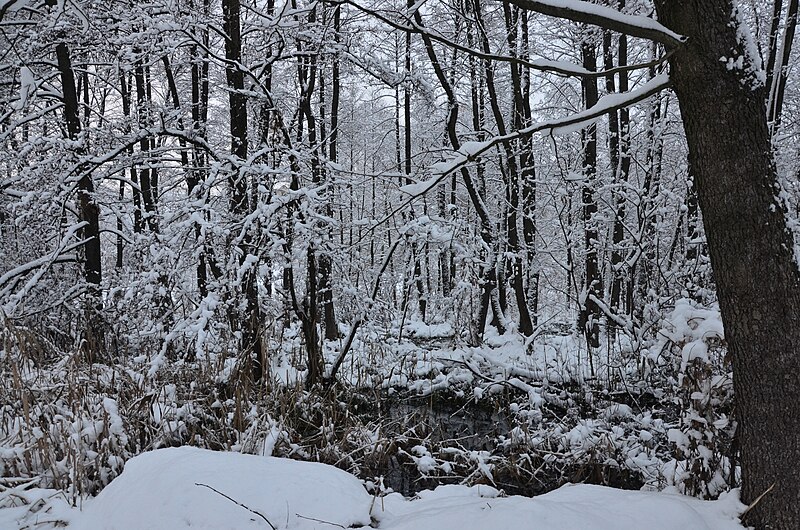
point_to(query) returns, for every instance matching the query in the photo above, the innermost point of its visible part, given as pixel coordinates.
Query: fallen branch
(237, 503)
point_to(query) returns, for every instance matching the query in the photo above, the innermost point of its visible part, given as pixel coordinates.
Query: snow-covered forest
(489, 246)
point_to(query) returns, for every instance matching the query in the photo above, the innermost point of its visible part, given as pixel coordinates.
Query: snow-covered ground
(177, 488)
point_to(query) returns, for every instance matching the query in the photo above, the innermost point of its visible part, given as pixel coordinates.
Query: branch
(45, 260)
(237, 503)
(471, 151)
(562, 68)
(354, 328)
(605, 17)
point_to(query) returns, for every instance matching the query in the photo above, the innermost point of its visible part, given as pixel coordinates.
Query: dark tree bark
(520, 120)
(512, 168)
(491, 285)
(528, 174)
(619, 123)
(322, 292)
(145, 174)
(307, 310)
(492, 276)
(88, 210)
(237, 181)
(125, 95)
(772, 39)
(176, 104)
(477, 104)
(590, 313)
(199, 94)
(193, 170)
(422, 301)
(642, 269)
(624, 165)
(328, 308)
(745, 222)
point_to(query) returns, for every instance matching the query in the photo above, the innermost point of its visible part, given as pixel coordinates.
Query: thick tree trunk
(751, 249)
(87, 207)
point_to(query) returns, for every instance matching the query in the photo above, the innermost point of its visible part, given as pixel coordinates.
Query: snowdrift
(177, 488)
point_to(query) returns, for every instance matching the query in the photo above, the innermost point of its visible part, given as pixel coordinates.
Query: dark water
(436, 423)
(441, 424)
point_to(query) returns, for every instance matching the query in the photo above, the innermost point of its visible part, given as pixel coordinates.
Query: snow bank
(578, 507)
(161, 490)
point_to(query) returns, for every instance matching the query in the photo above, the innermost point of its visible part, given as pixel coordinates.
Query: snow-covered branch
(470, 151)
(605, 17)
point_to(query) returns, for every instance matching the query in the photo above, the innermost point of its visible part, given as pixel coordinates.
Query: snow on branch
(605, 17)
(563, 68)
(59, 255)
(470, 151)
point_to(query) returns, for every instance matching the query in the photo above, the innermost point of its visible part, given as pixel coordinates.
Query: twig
(319, 520)
(753, 504)
(238, 503)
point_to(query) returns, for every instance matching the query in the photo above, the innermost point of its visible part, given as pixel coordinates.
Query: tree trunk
(517, 263)
(528, 176)
(589, 319)
(730, 154)
(87, 207)
(199, 75)
(772, 39)
(777, 88)
(145, 176)
(329, 310)
(88, 211)
(620, 167)
(237, 181)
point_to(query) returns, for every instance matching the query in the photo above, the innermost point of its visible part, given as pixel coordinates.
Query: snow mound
(572, 507)
(162, 490)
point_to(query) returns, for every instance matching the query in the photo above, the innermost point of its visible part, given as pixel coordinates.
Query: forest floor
(426, 432)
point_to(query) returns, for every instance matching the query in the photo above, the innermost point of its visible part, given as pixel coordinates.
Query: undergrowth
(71, 425)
